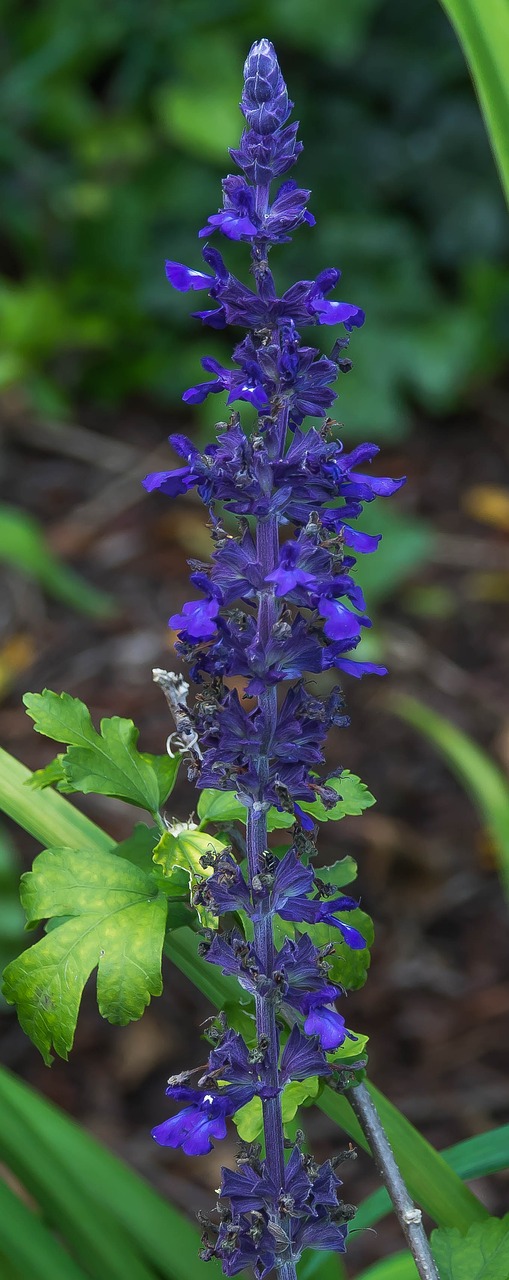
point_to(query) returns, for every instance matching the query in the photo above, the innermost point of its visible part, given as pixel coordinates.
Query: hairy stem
(410, 1218)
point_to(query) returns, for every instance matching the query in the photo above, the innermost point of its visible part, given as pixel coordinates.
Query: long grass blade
(482, 27)
(484, 782)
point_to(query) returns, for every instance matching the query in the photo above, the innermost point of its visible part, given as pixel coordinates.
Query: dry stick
(409, 1216)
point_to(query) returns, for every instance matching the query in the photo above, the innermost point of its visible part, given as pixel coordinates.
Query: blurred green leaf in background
(113, 142)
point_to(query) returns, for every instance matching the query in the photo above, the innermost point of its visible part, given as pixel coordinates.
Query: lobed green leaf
(106, 763)
(481, 1254)
(222, 806)
(113, 917)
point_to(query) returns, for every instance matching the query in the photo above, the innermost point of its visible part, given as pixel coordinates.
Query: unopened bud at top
(264, 102)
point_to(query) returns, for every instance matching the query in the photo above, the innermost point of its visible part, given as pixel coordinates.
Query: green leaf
(484, 782)
(106, 763)
(339, 873)
(297, 1094)
(166, 769)
(350, 1049)
(355, 797)
(117, 924)
(23, 544)
(483, 32)
(474, 1158)
(50, 776)
(249, 1119)
(28, 1245)
(184, 849)
(347, 968)
(220, 806)
(139, 849)
(481, 1254)
(400, 1266)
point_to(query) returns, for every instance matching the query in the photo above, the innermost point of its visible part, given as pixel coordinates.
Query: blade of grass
(46, 815)
(474, 1158)
(484, 782)
(483, 32)
(23, 544)
(95, 1240)
(161, 1234)
(430, 1181)
(400, 1266)
(28, 1246)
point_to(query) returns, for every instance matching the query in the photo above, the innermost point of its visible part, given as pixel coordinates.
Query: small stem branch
(409, 1216)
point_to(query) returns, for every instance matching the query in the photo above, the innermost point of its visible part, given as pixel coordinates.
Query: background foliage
(116, 119)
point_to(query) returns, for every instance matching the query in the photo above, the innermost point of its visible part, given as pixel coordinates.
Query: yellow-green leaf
(113, 917)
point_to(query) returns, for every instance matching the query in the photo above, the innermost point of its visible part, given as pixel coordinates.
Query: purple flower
(302, 1057)
(203, 1119)
(322, 1020)
(240, 386)
(271, 612)
(198, 619)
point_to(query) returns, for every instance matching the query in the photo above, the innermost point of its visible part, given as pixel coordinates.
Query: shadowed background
(115, 123)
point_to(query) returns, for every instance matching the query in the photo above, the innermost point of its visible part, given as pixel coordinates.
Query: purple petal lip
(184, 278)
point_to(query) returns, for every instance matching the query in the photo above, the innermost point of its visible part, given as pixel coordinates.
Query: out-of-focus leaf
(483, 780)
(12, 936)
(407, 543)
(26, 1244)
(114, 917)
(315, 1264)
(23, 545)
(199, 109)
(481, 1254)
(400, 1266)
(111, 1219)
(483, 32)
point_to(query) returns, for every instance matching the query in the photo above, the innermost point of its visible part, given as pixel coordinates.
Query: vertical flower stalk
(278, 603)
